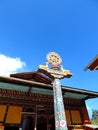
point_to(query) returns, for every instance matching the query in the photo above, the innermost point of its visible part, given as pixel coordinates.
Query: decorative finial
(54, 59)
(57, 70)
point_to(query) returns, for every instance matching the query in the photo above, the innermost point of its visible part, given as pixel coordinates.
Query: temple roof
(32, 76)
(35, 82)
(93, 65)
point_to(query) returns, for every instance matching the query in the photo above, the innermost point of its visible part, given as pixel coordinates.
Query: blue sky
(29, 29)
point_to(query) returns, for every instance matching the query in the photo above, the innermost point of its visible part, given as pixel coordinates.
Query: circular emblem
(53, 57)
(62, 123)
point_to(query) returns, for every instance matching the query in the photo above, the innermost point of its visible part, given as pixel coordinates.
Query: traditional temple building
(92, 66)
(26, 102)
(37, 100)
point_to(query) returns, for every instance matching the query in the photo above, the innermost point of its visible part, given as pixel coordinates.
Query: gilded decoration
(56, 70)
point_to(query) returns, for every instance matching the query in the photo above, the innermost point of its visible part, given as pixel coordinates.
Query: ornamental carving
(56, 70)
(53, 57)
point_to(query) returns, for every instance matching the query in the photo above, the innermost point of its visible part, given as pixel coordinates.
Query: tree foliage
(94, 119)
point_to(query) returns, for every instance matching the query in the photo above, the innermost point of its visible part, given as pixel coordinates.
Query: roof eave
(92, 61)
(90, 94)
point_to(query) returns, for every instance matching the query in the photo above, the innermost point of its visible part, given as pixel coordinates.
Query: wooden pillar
(85, 116)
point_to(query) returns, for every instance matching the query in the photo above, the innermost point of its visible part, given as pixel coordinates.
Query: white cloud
(9, 65)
